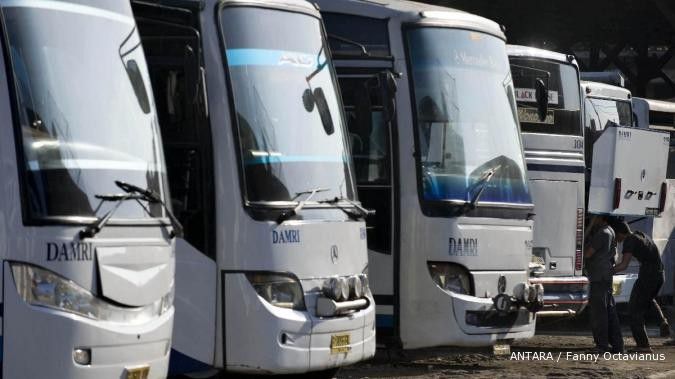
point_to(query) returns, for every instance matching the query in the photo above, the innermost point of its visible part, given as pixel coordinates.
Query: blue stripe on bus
(269, 57)
(384, 321)
(180, 363)
(556, 168)
(294, 158)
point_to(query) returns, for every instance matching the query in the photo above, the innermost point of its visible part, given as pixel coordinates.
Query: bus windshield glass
(468, 139)
(84, 109)
(564, 104)
(289, 119)
(602, 113)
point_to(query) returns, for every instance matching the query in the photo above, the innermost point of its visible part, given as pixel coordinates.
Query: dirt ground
(562, 339)
(481, 363)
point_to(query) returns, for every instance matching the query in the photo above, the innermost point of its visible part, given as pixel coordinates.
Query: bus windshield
(602, 113)
(468, 137)
(84, 109)
(564, 104)
(289, 119)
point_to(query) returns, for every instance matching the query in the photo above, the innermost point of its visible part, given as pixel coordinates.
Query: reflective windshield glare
(84, 122)
(467, 128)
(290, 126)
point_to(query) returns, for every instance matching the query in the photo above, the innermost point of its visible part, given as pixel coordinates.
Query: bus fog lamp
(364, 283)
(344, 288)
(336, 288)
(82, 356)
(538, 293)
(355, 287)
(522, 292)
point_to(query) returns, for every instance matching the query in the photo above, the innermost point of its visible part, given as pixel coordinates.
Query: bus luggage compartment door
(629, 172)
(555, 221)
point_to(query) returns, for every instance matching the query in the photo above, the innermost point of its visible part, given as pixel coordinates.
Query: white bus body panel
(308, 336)
(196, 283)
(503, 242)
(637, 157)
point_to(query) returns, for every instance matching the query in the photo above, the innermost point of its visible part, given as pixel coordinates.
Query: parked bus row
(278, 186)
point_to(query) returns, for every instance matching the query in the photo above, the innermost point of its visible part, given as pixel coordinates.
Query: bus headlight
(450, 277)
(44, 288)
(279, 290)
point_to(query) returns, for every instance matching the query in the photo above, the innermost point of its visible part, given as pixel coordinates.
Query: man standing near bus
(649, 281)
(599, 260)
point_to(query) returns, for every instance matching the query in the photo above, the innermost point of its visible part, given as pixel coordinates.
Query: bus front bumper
(285, 341)
(483, 325)
(563, 296)
(40, 342)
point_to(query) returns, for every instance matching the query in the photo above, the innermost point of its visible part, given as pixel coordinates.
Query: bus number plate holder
(339, 343)
(140, 372)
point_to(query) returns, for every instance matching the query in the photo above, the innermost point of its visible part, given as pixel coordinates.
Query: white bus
(654, 115)
(438, 155)
(554, 152)
(87, 243)
(629, 164)
(271, 275)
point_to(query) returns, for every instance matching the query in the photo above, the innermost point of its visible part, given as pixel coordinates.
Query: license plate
(141, 372)
(339, 343)
(501, 349)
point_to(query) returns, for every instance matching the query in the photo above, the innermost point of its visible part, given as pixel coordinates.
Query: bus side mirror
(541, 93)
(388, 89)
(324, 111)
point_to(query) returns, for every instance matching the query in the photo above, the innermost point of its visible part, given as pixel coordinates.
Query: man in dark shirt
(649, 281)
(599, 260)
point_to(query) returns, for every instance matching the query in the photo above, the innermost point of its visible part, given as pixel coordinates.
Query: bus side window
(175, 72)
(370, 144)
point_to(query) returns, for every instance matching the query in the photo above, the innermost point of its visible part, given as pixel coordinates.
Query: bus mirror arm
(388, 88)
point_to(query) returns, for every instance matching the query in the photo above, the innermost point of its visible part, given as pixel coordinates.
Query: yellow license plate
(141, 372)
(339, 343)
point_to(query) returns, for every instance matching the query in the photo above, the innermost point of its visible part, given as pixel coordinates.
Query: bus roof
(596, 89)
(296, 5)
(658, 105)
(533, 52)
(413, 12)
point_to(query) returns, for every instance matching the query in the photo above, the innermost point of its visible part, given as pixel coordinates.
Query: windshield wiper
(363, 212)
(91, 230)
(132, 192)
(482, 183)
(286, 215)
(151, 197)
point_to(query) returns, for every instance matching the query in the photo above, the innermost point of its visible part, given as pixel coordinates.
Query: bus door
(173, 49)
